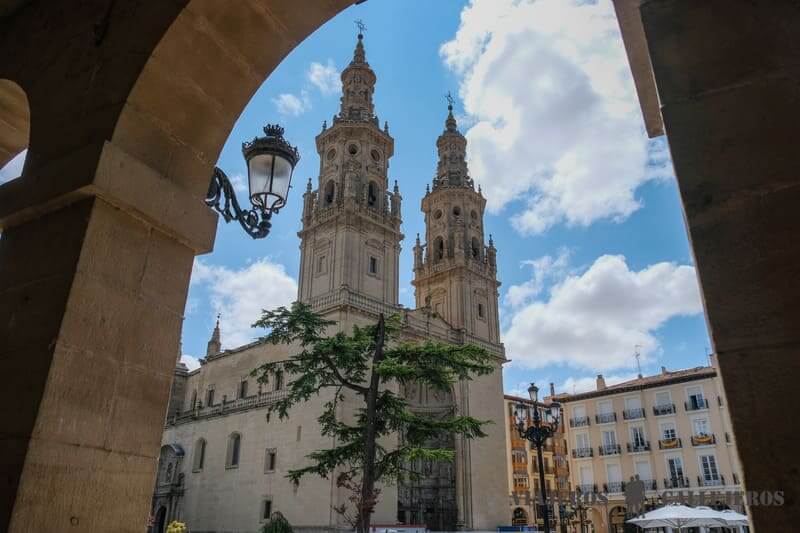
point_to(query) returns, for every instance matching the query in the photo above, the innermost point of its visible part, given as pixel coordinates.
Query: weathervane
(361, 27)
(450, 100)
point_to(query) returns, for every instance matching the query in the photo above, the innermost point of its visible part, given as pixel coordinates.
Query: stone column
(92, 290)
(728, 75)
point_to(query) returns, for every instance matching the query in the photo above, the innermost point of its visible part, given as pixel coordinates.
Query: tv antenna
(637, 354)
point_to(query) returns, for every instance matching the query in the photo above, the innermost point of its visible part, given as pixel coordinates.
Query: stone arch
(329, 194)
(519, 517)
(438, 248)
(373, 195)
(15, 122)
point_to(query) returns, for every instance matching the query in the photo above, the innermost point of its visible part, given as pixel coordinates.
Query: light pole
(270, 163)
(537, 434)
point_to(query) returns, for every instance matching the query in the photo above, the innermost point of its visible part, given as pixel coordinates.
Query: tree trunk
(368, 476)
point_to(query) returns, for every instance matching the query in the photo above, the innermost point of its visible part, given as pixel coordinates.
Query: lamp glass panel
(259, 172)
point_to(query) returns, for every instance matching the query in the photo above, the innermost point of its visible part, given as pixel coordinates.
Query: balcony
(703, 440)
(676, 483)
(664, 409)
(605, 418)
(614, 486)
(586, 488)
(634, 447)
(578, 453)
(578, 421)
(696, 404)
(649, 484)
(669, 444)
(633, 414)
(520, 467)
(517, 443)
(710, 481)
(609, 449)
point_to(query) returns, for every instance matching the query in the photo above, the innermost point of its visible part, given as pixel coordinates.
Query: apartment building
(671, 430)
(523, 470)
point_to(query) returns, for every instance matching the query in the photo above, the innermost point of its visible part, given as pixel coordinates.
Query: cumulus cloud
(543, 269)
(574, 385)
(13, 169)
(192, 363)
(290, 104)
(595, 319)
(240, 295)
(326, 78)
(557, 123)
(239, 183)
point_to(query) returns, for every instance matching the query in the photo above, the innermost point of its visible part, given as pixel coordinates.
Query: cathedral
(224, 458)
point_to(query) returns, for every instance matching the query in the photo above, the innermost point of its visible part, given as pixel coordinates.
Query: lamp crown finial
(273, 130)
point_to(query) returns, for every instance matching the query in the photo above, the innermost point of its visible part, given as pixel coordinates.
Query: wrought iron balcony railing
(582, 452)
(696, 404)
(587, 488)
(605, 418)
(633, 414)
(676, 483)
(609, 449)
(664, 409)
(614, 486)
(710, 481)
(634, 447)
(578, 421)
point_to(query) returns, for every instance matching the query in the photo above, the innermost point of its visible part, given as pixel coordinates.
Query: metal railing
(587, 488)
(639, 446)
(578, 453)
(605, 418)
(633, 414)
(696, 404)
(614, 486)
(664, 409)
(578, 421)
(676, 483)
(609, 449)
(710, 481)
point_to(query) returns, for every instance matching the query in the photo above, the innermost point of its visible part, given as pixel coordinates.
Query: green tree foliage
(368, 362)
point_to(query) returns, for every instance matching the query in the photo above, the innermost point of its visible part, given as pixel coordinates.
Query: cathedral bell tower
(351, 220)
(455, 274)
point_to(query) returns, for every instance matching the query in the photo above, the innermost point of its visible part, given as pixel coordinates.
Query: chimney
(601, 382)
(663, 370)
(552, 389)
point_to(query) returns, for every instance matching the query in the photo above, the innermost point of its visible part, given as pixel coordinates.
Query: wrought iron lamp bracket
(222, 197)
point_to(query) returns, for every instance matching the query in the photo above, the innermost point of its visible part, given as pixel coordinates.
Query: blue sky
(592, 250)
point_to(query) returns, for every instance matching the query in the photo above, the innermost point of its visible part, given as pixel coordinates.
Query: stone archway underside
(130, 102)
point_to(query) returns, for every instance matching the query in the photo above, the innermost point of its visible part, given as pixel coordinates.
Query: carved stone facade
(350, 246)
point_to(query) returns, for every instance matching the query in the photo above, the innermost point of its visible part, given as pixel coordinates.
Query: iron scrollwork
(256, 221)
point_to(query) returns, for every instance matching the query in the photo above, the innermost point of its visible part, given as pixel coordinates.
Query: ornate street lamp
(270, 163)
(537, 434)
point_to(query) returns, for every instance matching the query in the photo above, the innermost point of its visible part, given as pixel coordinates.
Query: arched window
(476, 248)
(329, 192)
(372, 194)
(199, 455)
(234, 450)
(438, 249)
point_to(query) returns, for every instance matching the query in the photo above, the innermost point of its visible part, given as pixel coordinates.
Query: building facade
(525, 502)
(224, 458)
(671, 431)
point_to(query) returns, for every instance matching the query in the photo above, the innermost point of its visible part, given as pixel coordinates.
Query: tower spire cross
(361, 27)
(450, 100)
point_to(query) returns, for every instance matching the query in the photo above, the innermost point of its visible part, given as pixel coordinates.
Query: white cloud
(595, 319)
(13, 169)
(557, 120)
(544, 268)
(289, 104)
(574, 385)
(191, 363)
(325, 77)
(239, 183)
(240, 295)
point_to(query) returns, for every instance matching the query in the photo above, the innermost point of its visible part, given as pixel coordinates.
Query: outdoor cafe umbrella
(732, 518)
(679, 517)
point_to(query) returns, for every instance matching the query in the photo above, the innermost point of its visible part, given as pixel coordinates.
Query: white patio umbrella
(732, 518)
(679, 517)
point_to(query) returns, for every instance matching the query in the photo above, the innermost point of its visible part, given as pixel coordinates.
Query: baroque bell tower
(351, 221)
(455, 274)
